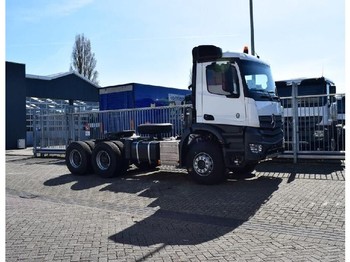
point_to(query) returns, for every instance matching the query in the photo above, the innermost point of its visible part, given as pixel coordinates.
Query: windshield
(258, 77)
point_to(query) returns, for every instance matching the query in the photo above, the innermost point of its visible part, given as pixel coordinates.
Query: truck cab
(235, 104)
(316, 111)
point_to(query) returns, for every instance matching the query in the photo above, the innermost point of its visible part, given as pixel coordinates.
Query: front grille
(271, 121)
(271, 126)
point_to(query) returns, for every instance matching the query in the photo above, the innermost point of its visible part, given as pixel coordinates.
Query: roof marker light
(245, 50)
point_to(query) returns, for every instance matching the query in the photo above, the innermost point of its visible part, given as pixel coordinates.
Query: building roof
(59, 75)
(66, 86)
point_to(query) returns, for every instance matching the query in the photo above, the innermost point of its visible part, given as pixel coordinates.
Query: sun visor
(204, 53)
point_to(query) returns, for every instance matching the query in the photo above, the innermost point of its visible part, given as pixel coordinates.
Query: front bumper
(253, 145)
(260, 143)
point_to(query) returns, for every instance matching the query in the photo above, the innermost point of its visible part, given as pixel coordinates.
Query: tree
(83, 60)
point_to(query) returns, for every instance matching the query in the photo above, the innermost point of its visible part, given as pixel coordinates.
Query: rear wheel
(205, 163)
(78, 158)
(124, 163)
(107, 159)
(90, 143)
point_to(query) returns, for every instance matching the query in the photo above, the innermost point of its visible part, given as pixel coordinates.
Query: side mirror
(231, 85)
(332, 89)
(235, 84)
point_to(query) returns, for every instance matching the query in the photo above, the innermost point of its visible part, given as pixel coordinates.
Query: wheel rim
(103, 160)
(75, 158)
(203, 164)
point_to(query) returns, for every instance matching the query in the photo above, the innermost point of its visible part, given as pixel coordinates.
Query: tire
(125, 163)
(118, 135)
(205, 163)
(78, 158)
(244, 171)
(90, 143)
(155, 129)
(107, 159)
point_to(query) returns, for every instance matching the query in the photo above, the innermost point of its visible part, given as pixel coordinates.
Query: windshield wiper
(274, 96)
(265, 94)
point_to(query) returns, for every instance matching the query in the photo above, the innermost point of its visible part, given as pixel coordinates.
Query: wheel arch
(201, 132)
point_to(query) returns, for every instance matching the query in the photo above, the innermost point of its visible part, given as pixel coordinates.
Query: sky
(150, 42)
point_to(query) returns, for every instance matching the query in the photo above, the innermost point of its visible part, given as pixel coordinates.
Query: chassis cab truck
(234, 122)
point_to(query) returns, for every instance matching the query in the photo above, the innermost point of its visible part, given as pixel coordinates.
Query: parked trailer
(234, 122)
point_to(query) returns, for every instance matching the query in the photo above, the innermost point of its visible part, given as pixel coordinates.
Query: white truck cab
(234, 96)
(235, 91)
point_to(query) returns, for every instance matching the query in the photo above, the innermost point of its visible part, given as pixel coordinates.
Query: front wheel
(205, 163)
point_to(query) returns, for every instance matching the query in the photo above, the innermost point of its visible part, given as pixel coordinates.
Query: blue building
(135, 95)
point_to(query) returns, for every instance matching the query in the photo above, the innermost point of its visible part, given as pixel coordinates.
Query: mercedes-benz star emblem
(273, 121)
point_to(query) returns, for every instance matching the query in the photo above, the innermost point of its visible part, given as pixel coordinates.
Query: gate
(314, 126)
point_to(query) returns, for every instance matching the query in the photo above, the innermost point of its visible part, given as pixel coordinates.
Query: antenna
(251, 27)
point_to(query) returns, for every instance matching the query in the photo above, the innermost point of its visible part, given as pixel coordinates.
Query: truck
(316, 111)
(234, 121)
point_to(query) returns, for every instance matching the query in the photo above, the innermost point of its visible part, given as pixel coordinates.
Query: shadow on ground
(186, 213)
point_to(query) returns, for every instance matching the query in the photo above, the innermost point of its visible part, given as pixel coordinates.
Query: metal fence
(314, 126)
(54, 131)
(46, 106)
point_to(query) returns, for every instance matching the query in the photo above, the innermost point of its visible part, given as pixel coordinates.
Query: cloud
(58, 8)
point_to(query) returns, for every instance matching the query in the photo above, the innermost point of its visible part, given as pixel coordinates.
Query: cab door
(221, 96)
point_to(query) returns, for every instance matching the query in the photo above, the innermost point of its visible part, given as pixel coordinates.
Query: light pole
(251, 27)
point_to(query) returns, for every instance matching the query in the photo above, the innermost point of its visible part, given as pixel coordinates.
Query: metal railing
(53, 132)
(314, 126)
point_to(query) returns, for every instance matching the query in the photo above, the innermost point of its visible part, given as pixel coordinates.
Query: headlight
(255, 148)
